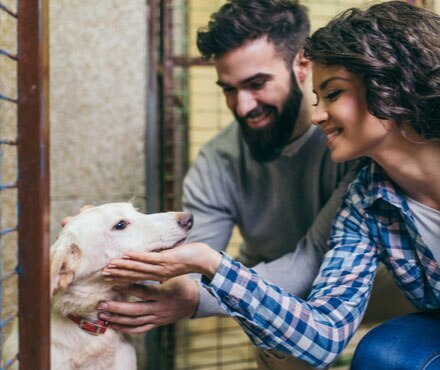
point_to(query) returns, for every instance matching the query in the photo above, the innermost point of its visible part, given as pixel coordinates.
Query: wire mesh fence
(24, 181)
(8, 171)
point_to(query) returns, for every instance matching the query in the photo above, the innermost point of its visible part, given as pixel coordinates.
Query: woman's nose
(319, 116)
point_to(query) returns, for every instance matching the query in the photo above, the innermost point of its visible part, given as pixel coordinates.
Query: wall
(98, 98)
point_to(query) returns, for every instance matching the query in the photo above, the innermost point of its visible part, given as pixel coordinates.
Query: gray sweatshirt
(283, 209)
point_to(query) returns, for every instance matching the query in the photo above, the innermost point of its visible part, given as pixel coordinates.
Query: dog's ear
(65, 255)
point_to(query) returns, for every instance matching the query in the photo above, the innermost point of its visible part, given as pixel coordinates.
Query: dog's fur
(83, 248)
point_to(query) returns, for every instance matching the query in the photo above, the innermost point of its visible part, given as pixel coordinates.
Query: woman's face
(341, 112)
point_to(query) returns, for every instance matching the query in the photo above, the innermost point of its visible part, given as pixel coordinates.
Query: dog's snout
(185, 220)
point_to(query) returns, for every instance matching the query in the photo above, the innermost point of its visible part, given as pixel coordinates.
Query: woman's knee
(410, 342)
(373, 351)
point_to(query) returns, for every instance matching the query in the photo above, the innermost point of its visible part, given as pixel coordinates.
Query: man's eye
(121, 225)
(227, 89)
(258, 85)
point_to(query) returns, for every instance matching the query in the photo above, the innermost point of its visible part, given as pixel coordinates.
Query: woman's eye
(332, 94)
(121, 225)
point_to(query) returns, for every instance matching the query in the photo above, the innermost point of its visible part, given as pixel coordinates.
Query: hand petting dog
(184, 259)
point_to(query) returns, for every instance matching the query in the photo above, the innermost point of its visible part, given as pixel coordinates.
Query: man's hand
(159, 304)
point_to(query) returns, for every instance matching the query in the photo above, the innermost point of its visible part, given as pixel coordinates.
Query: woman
(376, 76)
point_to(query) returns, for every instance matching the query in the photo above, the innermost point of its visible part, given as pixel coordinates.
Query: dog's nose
(185, 220)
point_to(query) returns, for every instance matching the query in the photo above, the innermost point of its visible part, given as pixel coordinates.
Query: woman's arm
(315, 330)
(181, 260)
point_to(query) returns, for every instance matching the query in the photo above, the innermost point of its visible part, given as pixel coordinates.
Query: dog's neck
(81, 298)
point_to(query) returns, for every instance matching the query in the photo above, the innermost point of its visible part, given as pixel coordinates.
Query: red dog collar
(94, 327)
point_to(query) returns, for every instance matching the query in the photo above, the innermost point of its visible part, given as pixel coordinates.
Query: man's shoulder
(227, 142)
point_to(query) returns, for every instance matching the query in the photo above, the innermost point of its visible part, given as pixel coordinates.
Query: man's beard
(267, 143)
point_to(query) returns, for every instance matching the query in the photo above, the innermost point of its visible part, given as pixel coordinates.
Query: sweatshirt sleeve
(204, 195)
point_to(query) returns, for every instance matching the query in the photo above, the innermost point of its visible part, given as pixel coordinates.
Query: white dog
(79, 341)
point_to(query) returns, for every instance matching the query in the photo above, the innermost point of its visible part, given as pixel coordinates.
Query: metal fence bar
(11, 362)
(8, 320)
(4, 278)
(152, 147)
(8, 142)
(7, 98)
(33, 183)
(8, 54)
(8, 186)
(8, 11)
(167, 147)
(8, 231)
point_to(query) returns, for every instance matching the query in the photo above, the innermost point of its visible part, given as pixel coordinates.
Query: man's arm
(301, 265)
(206, 196)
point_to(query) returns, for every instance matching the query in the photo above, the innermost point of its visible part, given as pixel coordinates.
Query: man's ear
(301, 67)
(65, 255)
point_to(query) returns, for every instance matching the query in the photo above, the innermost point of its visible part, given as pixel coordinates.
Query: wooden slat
(33, 182)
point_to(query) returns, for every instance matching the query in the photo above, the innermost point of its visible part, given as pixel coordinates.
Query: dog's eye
(121, 225)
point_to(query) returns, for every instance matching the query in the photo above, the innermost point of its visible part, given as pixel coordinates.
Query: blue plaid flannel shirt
(374, 224)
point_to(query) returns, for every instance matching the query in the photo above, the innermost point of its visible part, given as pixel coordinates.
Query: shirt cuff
(230, 283)
(208, 304)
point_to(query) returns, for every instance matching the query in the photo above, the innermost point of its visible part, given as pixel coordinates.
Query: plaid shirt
(374, 224)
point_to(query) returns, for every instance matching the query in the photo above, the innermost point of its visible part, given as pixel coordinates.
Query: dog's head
(93, 237)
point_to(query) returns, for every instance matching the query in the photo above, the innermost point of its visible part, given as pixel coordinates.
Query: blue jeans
(410, 342)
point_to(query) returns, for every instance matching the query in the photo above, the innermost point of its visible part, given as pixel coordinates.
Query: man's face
(263, 94)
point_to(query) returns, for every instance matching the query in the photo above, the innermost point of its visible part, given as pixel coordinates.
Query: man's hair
(395, 48)
(284, 22)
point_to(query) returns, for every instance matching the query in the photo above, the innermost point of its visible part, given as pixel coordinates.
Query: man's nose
(245, 103)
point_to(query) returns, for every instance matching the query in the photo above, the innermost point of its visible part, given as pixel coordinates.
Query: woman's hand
(164, 265)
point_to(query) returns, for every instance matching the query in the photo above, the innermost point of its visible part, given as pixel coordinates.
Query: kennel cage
(179, 121)
(185, 110)
(24, 183)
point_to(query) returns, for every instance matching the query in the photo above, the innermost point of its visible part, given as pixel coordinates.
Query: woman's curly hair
(395, 47)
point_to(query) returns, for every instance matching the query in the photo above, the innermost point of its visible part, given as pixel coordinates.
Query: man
(269, 172)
